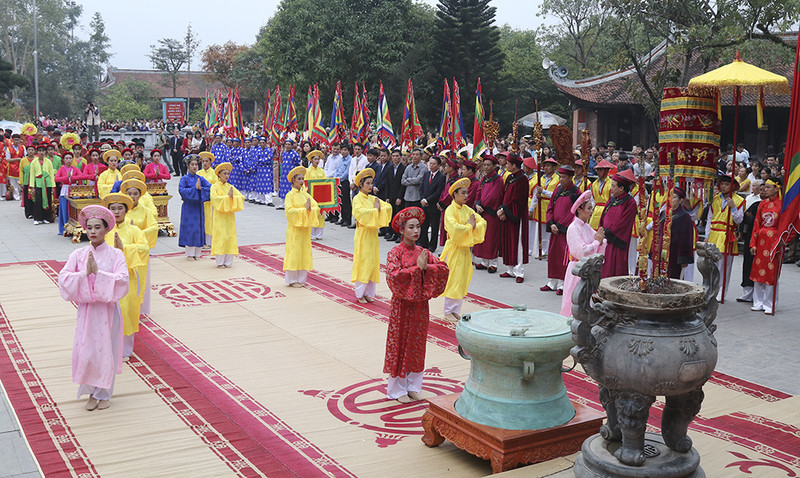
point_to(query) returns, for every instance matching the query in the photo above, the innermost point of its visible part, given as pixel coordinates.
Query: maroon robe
(617, 220)
(682, 241)
(411, 288)
(472, 195)
(490, 197)
(515, 207)
(559, 214)
(444, 200)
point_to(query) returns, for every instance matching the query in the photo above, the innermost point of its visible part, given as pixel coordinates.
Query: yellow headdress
(461, 183)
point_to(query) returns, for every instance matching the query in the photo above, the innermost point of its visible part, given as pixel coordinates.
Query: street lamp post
(35, 59)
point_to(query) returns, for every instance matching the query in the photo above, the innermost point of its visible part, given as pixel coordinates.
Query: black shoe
(351, 227)
(381, 233)
(339, 223)
(398, 240)
(389, 237)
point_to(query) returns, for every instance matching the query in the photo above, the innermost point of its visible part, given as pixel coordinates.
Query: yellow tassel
(760, 109)
(719, 106)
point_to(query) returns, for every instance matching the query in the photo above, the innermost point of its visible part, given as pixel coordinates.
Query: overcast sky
(133, 26)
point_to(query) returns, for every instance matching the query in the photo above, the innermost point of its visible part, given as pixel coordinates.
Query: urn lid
(516, 322)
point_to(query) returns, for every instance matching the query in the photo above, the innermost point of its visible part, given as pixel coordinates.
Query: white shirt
(357, 164)
(331, 164)
(647, 169)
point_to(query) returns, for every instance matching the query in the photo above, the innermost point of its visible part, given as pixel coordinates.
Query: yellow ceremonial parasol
(738, 77)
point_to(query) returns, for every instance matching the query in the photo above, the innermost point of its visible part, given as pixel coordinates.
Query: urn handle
(707, 258)
(527, 370)
(462, 353)
(570, 369)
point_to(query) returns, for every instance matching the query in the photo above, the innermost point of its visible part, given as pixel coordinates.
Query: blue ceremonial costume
(289, 161)
(237, 175)
(263, 178)
(192, 231)
(248, 170)
(221, 153)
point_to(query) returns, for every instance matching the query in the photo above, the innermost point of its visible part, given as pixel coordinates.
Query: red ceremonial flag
(267, 113)
(478, 143)
(444, 139)
(411, 129)
(365, 107)
(275, 129)
(317, 134)
(456, 120)
(789, 220)
(357, 121)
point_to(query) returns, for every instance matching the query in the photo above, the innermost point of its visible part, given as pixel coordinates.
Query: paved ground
(752, 346)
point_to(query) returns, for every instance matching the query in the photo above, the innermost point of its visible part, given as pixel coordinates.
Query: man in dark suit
(372, 161)
(433, 182)
(393, 189)
(175, 143)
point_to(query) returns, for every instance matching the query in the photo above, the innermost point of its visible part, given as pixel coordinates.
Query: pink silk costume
(581, 243)
(96, 349)
(411, 288)
(156, 172)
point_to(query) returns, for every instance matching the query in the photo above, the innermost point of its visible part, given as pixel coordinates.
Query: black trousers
(429, 236)
(346, 201)
(39, 213)
(177, 163)
(26, 202)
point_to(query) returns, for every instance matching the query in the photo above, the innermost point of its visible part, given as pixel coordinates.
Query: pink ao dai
(97, 345)
(581, 243)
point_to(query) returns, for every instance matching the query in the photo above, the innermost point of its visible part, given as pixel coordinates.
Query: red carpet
(252, 440)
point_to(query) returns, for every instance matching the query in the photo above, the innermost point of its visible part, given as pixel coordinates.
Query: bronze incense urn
(639, 345)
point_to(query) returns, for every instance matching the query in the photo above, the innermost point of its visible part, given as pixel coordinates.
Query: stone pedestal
(597, 460)
(507, 449)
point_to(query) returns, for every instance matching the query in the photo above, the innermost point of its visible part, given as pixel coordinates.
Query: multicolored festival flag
(290, 117)
(385, 131)
(317, 134)
(456, 120)
(267, 115)
(338, 124)
(789, 220)
(275, 129)
(478, 143)
(309, 113)
(411, 129)
(357, 122)
(444, 137)
(365, 108)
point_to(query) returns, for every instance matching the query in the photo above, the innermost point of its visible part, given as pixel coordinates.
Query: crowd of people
(506, 205)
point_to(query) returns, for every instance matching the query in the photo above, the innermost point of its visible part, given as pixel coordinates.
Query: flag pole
(537, 137)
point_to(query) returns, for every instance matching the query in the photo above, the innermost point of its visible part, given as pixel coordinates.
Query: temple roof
(159, 80)
(612, 88)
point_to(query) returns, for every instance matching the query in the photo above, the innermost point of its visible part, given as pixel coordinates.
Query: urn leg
(610, 431)
(679, 412)
(633, 409)
(431, 437)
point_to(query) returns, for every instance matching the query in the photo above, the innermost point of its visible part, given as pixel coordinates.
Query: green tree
(169, 56)
(527, 81)
(322, 41)
(69, 67)
(129, 99)
(79, 76)
(703, 30)
(467, 47)
(10, 80)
